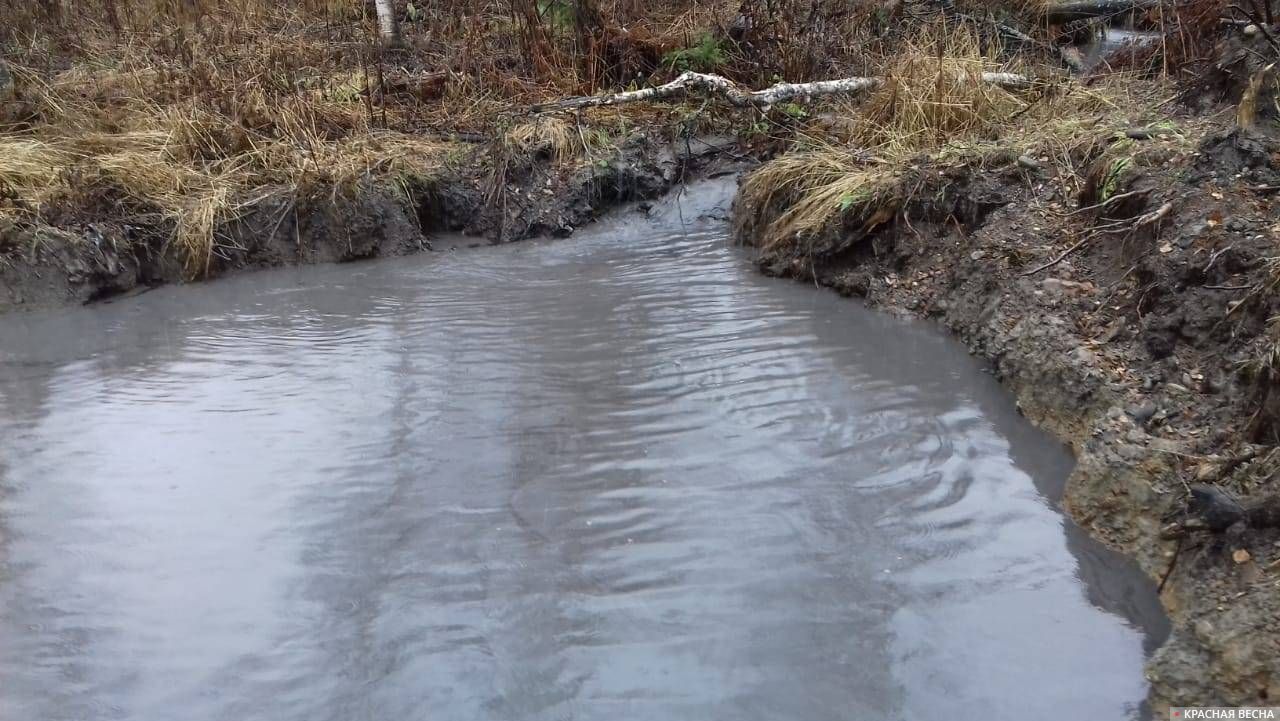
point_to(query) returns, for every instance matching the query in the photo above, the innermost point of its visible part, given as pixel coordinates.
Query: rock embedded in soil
(1143, 412)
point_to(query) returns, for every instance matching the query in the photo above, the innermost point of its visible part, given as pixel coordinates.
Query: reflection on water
(618, 476)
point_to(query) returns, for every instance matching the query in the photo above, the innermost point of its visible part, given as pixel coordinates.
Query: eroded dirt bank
(1136, 330)
(82, 253)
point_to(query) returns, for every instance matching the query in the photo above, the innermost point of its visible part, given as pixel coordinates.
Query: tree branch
(717, 85)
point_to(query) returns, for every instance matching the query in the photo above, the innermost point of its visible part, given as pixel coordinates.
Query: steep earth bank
(1137, 331)
(82, 253)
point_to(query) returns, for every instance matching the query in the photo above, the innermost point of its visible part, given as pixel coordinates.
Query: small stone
(1142, 412)
(1204, 629)
(1177, 388)
(1250, 30)
(1028, 162)
(977, 255)
(1085, 356)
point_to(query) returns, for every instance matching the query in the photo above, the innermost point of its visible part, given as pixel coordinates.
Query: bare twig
(1153, 217)
(1061, 257)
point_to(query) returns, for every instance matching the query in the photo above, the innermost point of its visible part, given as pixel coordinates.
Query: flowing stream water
(618, 476)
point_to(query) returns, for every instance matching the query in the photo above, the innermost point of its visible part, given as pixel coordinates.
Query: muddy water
(613, 477)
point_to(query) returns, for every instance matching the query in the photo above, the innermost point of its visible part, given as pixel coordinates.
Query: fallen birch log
(717, 85)
(1060, 13)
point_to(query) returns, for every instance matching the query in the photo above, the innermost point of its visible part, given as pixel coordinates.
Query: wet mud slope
(1137, 327)
(86, 252)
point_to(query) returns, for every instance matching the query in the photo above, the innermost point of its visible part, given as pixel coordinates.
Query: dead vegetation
(180, 114)
(928, 119)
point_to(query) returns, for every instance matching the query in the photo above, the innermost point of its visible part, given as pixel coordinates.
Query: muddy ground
(90, 252)
(1139, 335)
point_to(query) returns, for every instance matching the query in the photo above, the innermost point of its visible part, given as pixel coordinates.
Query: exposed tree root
(1216, 510)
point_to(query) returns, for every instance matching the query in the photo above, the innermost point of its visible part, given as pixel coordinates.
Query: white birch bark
(782, 92)
(388, 24)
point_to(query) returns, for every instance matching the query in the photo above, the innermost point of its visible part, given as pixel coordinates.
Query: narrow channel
(616, 476)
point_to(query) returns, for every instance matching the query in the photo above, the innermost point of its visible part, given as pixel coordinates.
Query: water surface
(619, 476)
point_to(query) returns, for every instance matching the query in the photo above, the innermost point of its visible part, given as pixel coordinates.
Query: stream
(616, 476)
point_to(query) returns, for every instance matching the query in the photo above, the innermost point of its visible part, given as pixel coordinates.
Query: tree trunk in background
(388, 24)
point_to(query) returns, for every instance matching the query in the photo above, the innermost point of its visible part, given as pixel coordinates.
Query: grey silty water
(619, 476)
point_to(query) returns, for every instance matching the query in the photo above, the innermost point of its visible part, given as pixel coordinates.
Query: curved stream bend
(616, 476)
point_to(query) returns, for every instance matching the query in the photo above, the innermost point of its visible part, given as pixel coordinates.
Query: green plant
(853, 199)
(556, 13)
(794, 110)
(1111, 179)
(709, 54)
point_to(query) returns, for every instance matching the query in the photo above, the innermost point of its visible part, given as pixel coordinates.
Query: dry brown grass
(933, 110)
(933, 92)
(799, 195)
(193, 108)
(190, 121)
(194, 168)
(550, 136)
(933, 95)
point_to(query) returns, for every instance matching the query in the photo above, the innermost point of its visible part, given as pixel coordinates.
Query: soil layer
(1137, 333)
(88, 253)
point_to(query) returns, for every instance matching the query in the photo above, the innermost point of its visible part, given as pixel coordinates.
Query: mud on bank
(1137, 329)
(88, 251)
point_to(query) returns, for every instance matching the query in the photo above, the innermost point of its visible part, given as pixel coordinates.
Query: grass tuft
(551, 137)
(800, 194)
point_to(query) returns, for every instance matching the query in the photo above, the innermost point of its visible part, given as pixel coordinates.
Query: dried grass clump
(933, 92)
(30, 168)
(551, 137)
(192, 181)
(933, 96)
(933, 111)
(786, 202)
(183, 124)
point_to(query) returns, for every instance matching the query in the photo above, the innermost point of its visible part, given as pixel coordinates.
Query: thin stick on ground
(1061, 257)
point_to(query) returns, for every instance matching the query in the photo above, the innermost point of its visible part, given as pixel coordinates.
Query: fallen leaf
(1241, 556)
